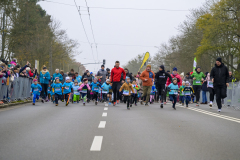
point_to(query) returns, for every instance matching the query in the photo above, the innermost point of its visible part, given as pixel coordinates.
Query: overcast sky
(146, 29)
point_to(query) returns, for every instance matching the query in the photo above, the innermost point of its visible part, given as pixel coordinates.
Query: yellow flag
(144, 59)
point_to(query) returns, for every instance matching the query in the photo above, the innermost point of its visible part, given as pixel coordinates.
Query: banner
(194, 64)
(37, 65)
(147, 55)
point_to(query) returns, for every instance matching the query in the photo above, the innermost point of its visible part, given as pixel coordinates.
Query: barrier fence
(19, 89)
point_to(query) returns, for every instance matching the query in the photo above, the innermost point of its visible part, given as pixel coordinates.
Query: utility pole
(3, 41)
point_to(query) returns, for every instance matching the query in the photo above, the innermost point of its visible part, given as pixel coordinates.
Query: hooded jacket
(102, 73)
(127, 87)
(161, 78)
(127, 75)
(55, 75)
(220, 75)
(147, 75)
(45, 77)
(179, 80)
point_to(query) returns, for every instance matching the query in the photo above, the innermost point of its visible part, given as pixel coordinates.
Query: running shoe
(96, 103)
(83, 104)
(186, 106)
(128, 108)
(130, 105)
(197, 104)
(136, 104)
(42, 101)
(67, 104)
(210, 105)
(56, 104)
(117, 101)
(165, 103)
(114, 103)
(161, 106)
(33, 103)
(219, 110)
(146, 104)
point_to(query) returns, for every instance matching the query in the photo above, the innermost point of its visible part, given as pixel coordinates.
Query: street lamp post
(2, 56)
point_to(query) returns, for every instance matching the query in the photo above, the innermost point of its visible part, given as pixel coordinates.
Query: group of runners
(118, 85)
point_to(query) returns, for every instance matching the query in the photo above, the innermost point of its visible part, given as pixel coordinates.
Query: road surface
(77, 132)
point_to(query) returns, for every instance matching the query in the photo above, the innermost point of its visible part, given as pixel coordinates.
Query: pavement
(77, 132)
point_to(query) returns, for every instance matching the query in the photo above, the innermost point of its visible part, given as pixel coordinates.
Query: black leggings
(127, 99)
(95, 96)
(161, 91)
(211, 91)
(115, 88)
(134, 98)
(197, 90)
(44, 90)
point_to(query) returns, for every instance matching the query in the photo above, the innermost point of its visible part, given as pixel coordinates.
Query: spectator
(231, 78)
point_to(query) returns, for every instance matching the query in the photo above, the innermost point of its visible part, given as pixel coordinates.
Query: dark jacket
(64, 78)
(71, 75)
(127, 75)
(220, 75)
(161, 77)
(204, 86)
(102, 73)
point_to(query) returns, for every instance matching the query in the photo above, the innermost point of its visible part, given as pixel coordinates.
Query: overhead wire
(139, 9)
(84, 27)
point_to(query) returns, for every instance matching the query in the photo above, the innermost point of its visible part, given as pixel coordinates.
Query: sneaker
(146, 104)
(83, 104)
(117, 101)
(128, 108)
(210, 105)
(165, 103)
(77, 101)
(67, 104)
(56, 105)
(109, 103)
(62, 100)
(114, 103)
(141, 102)
(197, 104)
(136, 104)
(182, 104)
(219, 110)
(161, 106)
(33, 103)
(96, 103)
(174, 108)
(130, 105)
(42, 101)
(186, 106)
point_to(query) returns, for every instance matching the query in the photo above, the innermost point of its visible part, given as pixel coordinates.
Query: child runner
(152, 93)
(67, 86)
(57, 90)
(173, 92)
(135, 93)
(36, 90)
(188, 92)
(76, 93)
(49, 92)
(95, 88)
(105, 90)
(127, 88)
(84, 87)
(182, 96)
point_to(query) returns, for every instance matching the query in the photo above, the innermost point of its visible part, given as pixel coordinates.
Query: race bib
(176, 92)
(104, 91)
(210, 84)
(187, 93)
(35, 89)
(198, 82)
(67, 87)
(84, 90)
(95, 88)
(75, 91)
(57, 89)
(125, 92)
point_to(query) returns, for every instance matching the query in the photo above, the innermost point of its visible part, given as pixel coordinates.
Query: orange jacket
(149, 76)
(127, 87)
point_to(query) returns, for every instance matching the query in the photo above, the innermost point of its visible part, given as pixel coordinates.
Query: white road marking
(97, 143)
(102, 124)
(105, 108)
(104, 114)
(212, 114)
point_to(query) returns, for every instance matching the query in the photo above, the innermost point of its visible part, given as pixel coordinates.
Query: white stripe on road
(104, 114)
(106, 108)
(97, 143)
(102, 124)
(212, 114)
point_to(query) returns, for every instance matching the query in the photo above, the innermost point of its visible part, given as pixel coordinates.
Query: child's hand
(65, 87)
(39, 91)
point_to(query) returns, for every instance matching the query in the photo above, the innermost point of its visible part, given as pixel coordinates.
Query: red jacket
(116, 74)
(30, 73)
(179, 80)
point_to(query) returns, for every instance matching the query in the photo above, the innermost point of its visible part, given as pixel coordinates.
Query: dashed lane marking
(105, 108)
(102, 124)
(97, 143)
(104, 114)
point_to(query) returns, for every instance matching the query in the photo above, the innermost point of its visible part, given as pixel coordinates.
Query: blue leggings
(188, 98)
(173, 98)
(35, 96)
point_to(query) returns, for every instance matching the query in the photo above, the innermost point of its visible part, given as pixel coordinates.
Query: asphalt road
(47, 132)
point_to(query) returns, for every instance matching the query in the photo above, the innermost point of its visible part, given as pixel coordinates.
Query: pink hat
(35, 80)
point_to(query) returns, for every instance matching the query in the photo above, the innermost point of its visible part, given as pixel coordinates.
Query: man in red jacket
(175, 75)
(115, 79)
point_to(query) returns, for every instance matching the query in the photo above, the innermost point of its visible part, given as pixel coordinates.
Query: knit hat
(67, 78)
(174, 79)
(186, 82)
(219, 59)
(108, 80)
(91, 73)
(149, 66)
(56, 78)
(35, 80)
(162, 66)
(175, 69)
(183, 82)
(27, 69)
(85, 79)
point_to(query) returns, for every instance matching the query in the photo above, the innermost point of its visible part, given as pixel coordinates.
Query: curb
(14, 104)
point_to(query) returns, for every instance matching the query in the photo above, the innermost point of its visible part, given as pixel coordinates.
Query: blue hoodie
(57, 88)
(153, 90)
(46, 79)
(75, 90)
(173, 89)
(79, 78)
(106, 87)
(68, 88)
(55, 75)
(36, 88)
(95, 86)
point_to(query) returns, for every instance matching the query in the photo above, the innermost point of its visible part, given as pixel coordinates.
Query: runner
(160, 80)
(128, 74)
(44, 80)
(57, 89)
(57, 74)
(127, 89)
(102, 73)
(147, 77)
(36, 90)
(197, 79)
(174, 75)
(173, 92)
(84, 87)
(220, 79)
(115, 79)
(67, 86)
(210, 89)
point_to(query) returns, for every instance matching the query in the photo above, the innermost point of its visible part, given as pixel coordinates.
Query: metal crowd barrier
(19, 89)
(233, 96)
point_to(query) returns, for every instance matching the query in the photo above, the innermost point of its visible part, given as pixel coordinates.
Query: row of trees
(210, 31)
(30, 34)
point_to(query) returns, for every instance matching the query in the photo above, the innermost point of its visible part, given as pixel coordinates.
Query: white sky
(128, 27)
